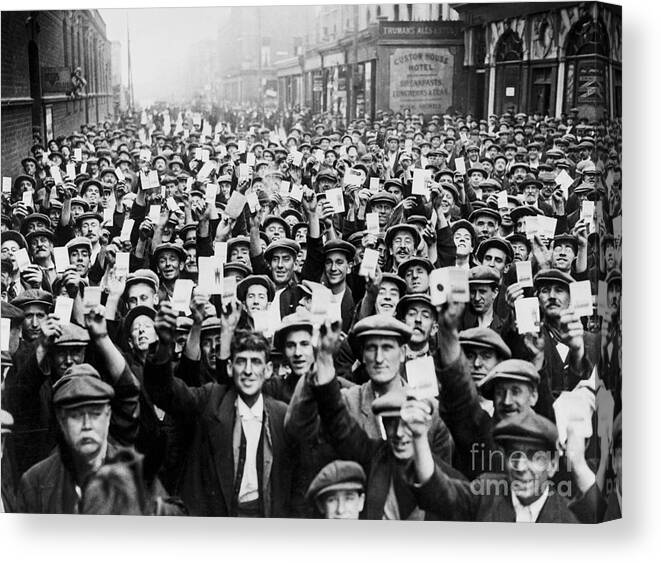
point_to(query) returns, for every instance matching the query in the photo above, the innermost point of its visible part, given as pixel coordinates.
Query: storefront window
(509, 55)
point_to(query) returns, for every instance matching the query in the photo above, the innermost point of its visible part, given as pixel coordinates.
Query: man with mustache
(402, 241)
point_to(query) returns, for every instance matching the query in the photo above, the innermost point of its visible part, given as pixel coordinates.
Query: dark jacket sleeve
(449, 498)
(125, 408)
(445, 247)
(313, 267)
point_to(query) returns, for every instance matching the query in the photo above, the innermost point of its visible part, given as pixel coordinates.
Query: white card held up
(420, 178)
(524, 273)
(210, 193)
(220, 251)
(564, 180)
(297, 158)
(210, 275)
(127, 229)
(320, 302)
(5, 330)
(61, 255)
(369, 263)
(145, 154)
(172, 204)
(375, 184)
(26, 198)
(502, 199)
(284, 187)
(205, 155)
(63, 308)
(71, 170)
(83, 168)
(198, 154)
(206, 169)
(181, 295)
(352, 179)
(78, 154)
(253, 201)
(408, 145)
(546, 227)
(6, 185)
(235, 205)
(572, 408)
(421, 377)
(527, 315)
(296, 192)
(92, 296)
(460, 165)
(263, 322)
(154, 182)
(372, 223)
(241, 146)
(458, 283)
(155, 214)
(587, 211)
(244, 170)
(580, 293)
(531, 226)
(336, 198)
(22, 259)
(228, 295)
(120, 175)
(56, 174)
(250, 159)
(439, 285)
(122, 264)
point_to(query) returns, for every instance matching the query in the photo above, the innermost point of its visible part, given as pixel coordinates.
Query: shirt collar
(256, 411)
(534, 508)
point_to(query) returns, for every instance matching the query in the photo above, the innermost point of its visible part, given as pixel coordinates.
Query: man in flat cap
(524, 492)
(483, 283)
(338, 490)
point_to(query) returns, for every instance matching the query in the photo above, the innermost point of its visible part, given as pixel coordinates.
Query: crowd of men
(413, 318)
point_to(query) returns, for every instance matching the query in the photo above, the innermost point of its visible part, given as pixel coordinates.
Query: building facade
(368, 57)
(56, 76)
(544, 57)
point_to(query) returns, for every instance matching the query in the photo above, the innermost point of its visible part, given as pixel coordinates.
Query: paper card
(172, 204)
(587, 211)
(122, 263)
(321, 299)
(205, 155)
(439, 286)
(210, 193)
(26, 198)
(92, 297)
(241, 146)
(375, 184)
(198, 153)
(206, 169)
(408, 145)
(531, 226)
(235, 205)
(564, 180)
(296, 192)
(181, 295)
(220, 251)
(460, 165)
(56, 175)
(458, 284)
(524, 273)
(210, 275)
(78, 154)
(352, 179)
(155, 214)
(244, 170)
(602, 298)
(605, 405)
(250, 159)
(297, 158)
(572, 408)
(61, 256)
(502, 199)
(580, 293)
(263, 322)
(127, 229)
(253, 202)
(145, 154)
(369, 263)
(71, 170)
(546, 227)
(22, 259)
(372, 223)
(83, 168)
(421, 377)
(5, 330)
(319, 155)
(336, 199)
(526, 311)
(120, 175)
(154, 182)
(6, 185)
(284, 188)
(63, 308)
(420, 179)
(144, 181)
(228, 295)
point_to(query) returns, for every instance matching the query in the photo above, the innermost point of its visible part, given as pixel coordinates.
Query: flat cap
(210, 323)
(614, 275)
(236, 241)
(338, 475)
(390, 233)
(519, 238)
(79, 241)
(464, 224)
(81, 385)
(282, 244)
(277, 219)
(338, 245)
(394, 279)
(32, 296)
(494, 242)
(382, 197)
(143, 275)
(237, 267)
(566, 238)
(295, 321)
(381, 325)
(247, 282)
(483, 275)
(509, 370)
(483, 337)
(40, 233)
(410, 299)
(414, 261)
(136, 312)
(523, 211)
(72, 335)
(171, 246)
(488, 211)
(552, 275)
(529, 427)
(390, 404)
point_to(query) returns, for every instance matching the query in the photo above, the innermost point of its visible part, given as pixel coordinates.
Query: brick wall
(16, 138)
(14, 39)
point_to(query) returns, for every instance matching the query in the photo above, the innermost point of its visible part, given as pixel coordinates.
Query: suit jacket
(485, 500)
(208, 484)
